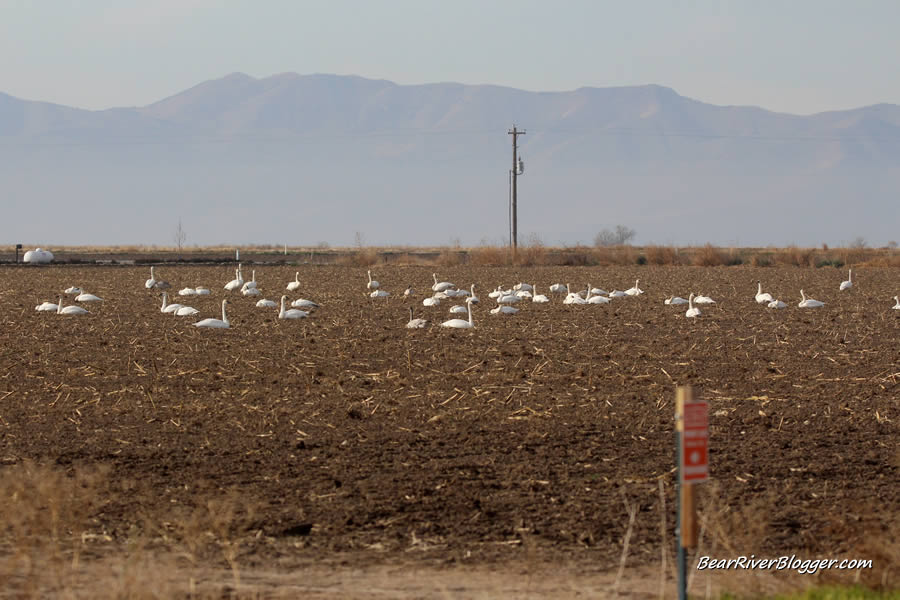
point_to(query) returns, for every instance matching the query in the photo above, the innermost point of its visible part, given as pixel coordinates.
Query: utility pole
(515, 173)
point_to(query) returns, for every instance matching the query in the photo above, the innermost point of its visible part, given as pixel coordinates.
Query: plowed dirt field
(346, 439)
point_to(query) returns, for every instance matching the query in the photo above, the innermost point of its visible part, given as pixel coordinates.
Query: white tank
(37, 256)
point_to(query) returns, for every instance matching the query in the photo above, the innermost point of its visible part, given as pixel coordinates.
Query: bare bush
(619, 236)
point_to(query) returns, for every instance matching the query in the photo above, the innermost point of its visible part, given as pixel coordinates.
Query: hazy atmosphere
(386, 123)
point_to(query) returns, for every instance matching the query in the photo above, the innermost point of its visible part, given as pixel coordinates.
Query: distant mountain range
(303, 159)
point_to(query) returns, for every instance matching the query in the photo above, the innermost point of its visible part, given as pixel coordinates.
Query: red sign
(694, 448)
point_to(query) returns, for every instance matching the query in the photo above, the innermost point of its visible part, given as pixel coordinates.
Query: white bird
(592, 299)
(634, 291)
(379, 294)
(760, 297)
(896, 306)
(186, 311)
(692, 310)
(443, 286)
(304, 303)
(187, 292)
(525, 287)
(237, 282)
(599, 292)
(846, 285)
(557, 288)
(74, 290)
(292, 313)
(251, 291)
(703, 300)
(202, 291)
(431, 301)
(372, 285)
(250, 284)
(538, 298)
(777, 304)
(509, 299)
(572, 297)
(266, 303)
(84, 297)
(460, 323)
(458, 309)
(47, 307)
(524, 294)
(154, 283)
(409, 291)
(166, 307)
(675, 300)
(809, 302)
(295, 284)
(222, 323)
(617, 294)
(69, 310)
(472, 297)
(504, 309)
(415, 323)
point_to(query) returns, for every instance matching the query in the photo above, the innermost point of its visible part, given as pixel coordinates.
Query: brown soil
(347, 442)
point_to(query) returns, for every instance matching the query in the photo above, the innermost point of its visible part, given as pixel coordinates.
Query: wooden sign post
(692, 459)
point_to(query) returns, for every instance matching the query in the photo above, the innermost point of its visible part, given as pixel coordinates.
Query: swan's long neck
(435, 278)
(850, 275)
(469, 306)
(803, 295)
(224, 316)
(297, 276)
(59, 306)
(165, 301)
(568, 289)
(370, 276)
(758, 288)
(282, 306)
(472, 289)
(691, 302)
(151, 273)
(253, 278)
(589, 292)
(410, 313)
(636, 282)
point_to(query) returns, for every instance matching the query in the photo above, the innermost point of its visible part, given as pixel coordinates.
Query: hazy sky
(799, 56)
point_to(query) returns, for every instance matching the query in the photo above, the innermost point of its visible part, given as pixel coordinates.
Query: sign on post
(694, 466)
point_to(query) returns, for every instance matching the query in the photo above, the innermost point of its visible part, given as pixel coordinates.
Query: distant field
(140, 451)
(529, 255)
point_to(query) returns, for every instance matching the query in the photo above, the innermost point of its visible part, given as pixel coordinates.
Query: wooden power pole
(515, 172)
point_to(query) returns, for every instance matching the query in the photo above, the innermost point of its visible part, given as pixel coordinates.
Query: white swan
(304, 303)
(47, 307)
(572, 297)
(460, 323)
(372, 285)
(557, 288)
(74, 290)
(703, 300)
(896, 306)
(617, 294)
(415, 323)
(692, 310)
(538, 298)
(186, 311)
(237, 282)
(266, 304)
(472, 297)
(69, 310)
(504, 309)
(292, 313)
(154, 283)
(509, 299)
(409, 291)
(809, 302)
(525, 294)
(760, 297)
(222, 323)
(634, 291)
(295, 284)
(846, 285)
(592, 299)
(458, 309)
(187, 292)
(379, 294)
(431, 301)
(84, 297)
(777, 304)
(524, 287)
(166, 307)
(675, 300)
(202, 291)
(251, 291)
(599, 292)
(443, 286)
(250, 284)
